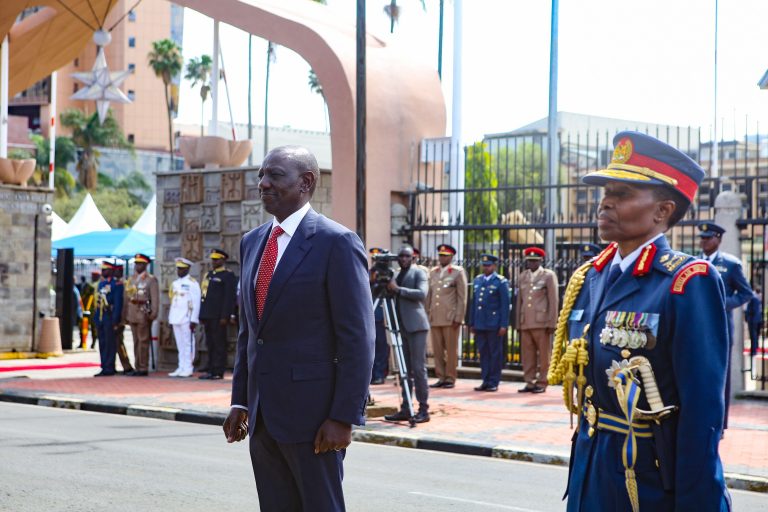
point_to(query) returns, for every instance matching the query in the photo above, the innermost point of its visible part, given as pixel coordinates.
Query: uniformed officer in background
(446, 306)
(183, 315)
(641, 346)
(109, 304)
(219, 291)
(536, 307)
(142, 303)
(89, 304)
(122, 353)
(489, 320)
(381, 347)
(737, 289)
(589, 251)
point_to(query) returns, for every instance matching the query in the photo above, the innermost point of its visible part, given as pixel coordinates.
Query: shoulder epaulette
(671, 261)
(686, 274)
(602, 259)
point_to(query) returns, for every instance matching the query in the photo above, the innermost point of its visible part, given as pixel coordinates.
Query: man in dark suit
(305, 345)
(410, 289)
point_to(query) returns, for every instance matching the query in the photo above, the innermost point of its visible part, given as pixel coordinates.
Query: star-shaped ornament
(101, 85)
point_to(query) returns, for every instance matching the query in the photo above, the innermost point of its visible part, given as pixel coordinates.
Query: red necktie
(267, 267)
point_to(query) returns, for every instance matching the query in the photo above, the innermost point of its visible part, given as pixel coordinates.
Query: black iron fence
(501, 206)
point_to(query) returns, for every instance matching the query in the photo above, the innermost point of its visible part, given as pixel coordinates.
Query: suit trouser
(291, 478)
(122, 353)
(185, 345)
(107, 346)
(216, 340)
(489, 344)
(536, 348)
(142, 337)
(381, 352)
(445, 345)
(415, 354)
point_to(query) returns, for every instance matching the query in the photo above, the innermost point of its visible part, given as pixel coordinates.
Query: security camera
(47, 209)
(763, 83)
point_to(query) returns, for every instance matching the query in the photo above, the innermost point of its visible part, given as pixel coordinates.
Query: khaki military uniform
(141, 306)
(446, 303)
(537, 307)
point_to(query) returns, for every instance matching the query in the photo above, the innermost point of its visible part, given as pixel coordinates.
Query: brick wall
(198, 210)
(21, 208)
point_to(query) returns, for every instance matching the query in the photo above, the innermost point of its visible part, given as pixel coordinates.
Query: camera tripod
(396, 342)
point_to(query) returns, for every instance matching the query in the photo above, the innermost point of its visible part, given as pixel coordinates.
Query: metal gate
(504, 204)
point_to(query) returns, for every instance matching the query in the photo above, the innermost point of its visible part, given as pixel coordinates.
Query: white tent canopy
(147, 223)
(59, 228)
(87, 219)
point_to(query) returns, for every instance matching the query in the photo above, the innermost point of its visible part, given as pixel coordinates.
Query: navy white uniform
(649, 333)
(488, 314)
(184, 311)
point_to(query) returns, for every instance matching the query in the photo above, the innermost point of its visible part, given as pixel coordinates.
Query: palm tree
(166, 61)
(87, 134)
(199, 71)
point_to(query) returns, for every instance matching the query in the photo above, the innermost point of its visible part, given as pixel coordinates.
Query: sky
(649, 61)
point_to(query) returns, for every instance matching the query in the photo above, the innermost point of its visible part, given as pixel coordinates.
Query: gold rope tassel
(631, 481)
(565, 355)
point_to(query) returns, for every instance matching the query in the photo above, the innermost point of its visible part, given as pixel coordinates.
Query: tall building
(144, 121)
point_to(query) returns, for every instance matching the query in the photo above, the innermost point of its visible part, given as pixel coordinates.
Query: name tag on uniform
(576, 315)
(217, 279)
(185, 287)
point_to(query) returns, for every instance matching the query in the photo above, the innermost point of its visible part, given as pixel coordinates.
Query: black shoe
(137, 373)
(437, 384)
(211, 376)
(421, 417)
(538, 389)
(448, 385)
(102, 373)
(130, 373)
(376, 382)
(526, 389)
(398, 416)
(481, 387)
(491, 389)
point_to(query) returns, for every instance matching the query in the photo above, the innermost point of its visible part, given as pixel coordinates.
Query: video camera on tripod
(382, 271)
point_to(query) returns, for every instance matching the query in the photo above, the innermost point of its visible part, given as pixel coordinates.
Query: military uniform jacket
(737, 289)
(490, 303)
(109, 302)
(185, 301)
(678, 302)
(219, 291)
(447, 296)
(536, 304)
(142, 300)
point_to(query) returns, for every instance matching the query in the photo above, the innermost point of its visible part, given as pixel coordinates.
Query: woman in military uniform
(641, 346)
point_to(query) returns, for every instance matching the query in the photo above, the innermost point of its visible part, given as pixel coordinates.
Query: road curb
(404, 439)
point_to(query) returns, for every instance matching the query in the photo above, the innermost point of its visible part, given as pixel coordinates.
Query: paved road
(60, 460)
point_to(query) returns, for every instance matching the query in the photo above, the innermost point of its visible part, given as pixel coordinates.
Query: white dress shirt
(289, 226)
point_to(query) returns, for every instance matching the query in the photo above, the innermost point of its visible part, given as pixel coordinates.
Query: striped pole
(52, 133)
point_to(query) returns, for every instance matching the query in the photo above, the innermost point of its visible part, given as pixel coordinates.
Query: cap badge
(623, 151)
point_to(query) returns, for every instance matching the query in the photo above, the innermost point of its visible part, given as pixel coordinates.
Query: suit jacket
(309, 357)
(679, 303)
(536, 304)
(410, 300)
(447, 297)
(219, 294)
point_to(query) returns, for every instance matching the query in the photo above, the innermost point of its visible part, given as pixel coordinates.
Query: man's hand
(392, 286)
(192, 326)
(456, 325)
(223, 321)
(502, 331)
(236, 425)
(333, 435)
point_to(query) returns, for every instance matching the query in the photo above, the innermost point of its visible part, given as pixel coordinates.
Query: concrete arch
(404, 98)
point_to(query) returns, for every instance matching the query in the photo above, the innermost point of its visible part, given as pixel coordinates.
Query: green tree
(199, 72)
(166, 61)
(119, 207)
(480, 206)
(87, 134)
(521, 170)
(66, 153)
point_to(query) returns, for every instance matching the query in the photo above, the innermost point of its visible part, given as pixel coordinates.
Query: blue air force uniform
(651, 340)
(488, 314)
(109, 309)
